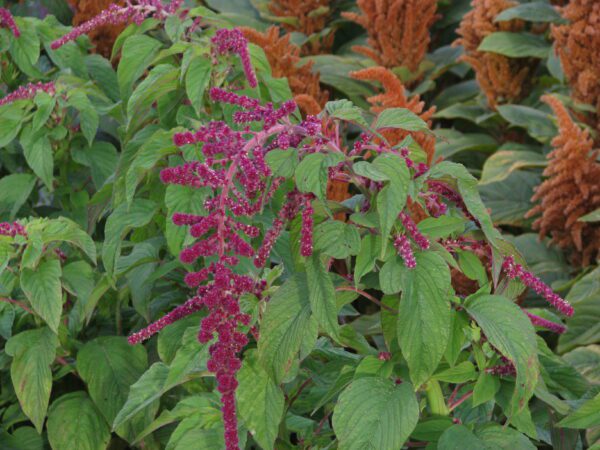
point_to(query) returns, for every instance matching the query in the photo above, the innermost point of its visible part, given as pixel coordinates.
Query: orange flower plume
(398, 30)
(571, 189)
(311, 16)
(578, 47)
(502, 79)
(103, 37)
(394, 96)
(284, 58)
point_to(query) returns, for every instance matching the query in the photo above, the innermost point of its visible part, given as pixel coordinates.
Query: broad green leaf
(400, 118)
(467, 187)
(459, 437)
(336, 239)
(43, 290)
(37, 150)
(23, 438)
(88, 116)
(102, 159)
(138, 52)
(485, 388)
(191, 433)
(461, 373)
(311, 173)
(499, 437)
(368, 170)
(392, 198)
(504, 162)
(109, 366)
(11, 119)
(157, 148)
(424, 318)
(345, 110)
(536, 122)
(375, 414)
(101, 71)
(594, 216)
(260, 402)
(472, 142)
(79, 280)
(586, 416)
(33, 351)
(584, 327)
(286, 322)
(161, 80)
(7, 317)
(586, 360)
(532, 12)
(63, 229)
(74, 422)
(45, 105)
(119, 223)
(190, 359)
(509, 330)
(441, 227)
(283, 163)
(14, 192)
(391, 275)
(515, 45)
(370, 246)
(472, 267)
(196, 80)
(25, 51)
(144, 393)
(321, 295)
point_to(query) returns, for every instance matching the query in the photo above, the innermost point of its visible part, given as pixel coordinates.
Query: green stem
(435, 398)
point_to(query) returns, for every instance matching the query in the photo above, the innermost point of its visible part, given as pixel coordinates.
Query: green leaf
(461, 373)
(537, 123)
(584, 327)
(532, 12)
(161, 80)
(367, 256)
(7, 317)
(109, 366)
(260, 402)
(336, 239)
(63, 230)
(586, 416)
(368, 170)
(33, 351)
(467, 187)
(321, 295)
(196, 80)
(509, 330)
(374, 413)
(38, 154)
(451, 145)
(472, 267)
(102, 158)
(14, 192)
(594, 216)
(138, 52)
(391, 275)
(345, 110)
(88, 116)
(458, 437)
(424, 318)
(11, 119)
(45, 105)
(504, 162)
(183, 199)
(119, 223)
(144, 393)
(25, 51)
(400, 118)
(503, 438)
(311, 173)
(149, 154)
(74, 422)
(287, 321)
(43, 290)
(392, 198)
(485, 388)
(515, 45)
(283, 163)
(441, 227)
(190, 359)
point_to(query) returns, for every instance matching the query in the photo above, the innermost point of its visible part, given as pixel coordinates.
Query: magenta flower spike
(28, 92)
(8, 21)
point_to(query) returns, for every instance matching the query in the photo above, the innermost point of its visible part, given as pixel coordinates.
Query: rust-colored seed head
(103, 37)
(284, 58)
(578, 47)
(394, 96)
(311, 17)
(398, 30)
(571, 190)
(502, 79)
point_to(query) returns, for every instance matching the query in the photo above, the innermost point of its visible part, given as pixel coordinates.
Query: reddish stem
(367, 296)
(460, 401)
(17, 303)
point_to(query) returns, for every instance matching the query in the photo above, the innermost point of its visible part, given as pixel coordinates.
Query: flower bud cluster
(402, 246)
(8, 21)
(545, 323)
(411, 228)
(516, 271)
(233, 41)
(28, 92)
(12, 229)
